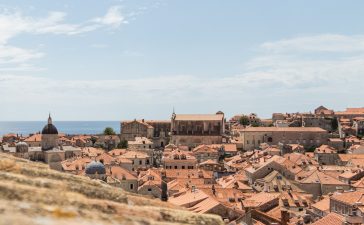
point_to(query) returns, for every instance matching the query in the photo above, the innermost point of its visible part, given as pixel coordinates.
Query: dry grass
(44, 196)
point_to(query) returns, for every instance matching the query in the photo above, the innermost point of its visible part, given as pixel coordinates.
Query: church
(51, 150)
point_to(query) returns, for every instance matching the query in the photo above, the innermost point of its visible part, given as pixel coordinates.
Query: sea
(64, 127)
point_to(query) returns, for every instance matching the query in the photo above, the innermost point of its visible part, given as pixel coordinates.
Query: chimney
(284, 217)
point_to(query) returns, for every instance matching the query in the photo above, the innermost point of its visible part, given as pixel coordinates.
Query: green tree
(109, 131)
(123, 144)
(244, 120)
(93, 139)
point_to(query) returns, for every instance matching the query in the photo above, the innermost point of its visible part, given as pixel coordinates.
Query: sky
(118, 60)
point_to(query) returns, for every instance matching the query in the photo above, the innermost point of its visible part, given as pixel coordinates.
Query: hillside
(31, 193)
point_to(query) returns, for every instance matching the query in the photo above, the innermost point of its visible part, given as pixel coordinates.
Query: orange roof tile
(332, 219)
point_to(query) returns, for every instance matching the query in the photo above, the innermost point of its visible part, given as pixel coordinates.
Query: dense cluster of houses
(295, 168)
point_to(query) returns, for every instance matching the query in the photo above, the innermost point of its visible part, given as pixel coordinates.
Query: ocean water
(65, 127)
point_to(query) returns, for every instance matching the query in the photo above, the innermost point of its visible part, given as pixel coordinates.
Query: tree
(244, 120)
(123, 144)
(93, 139)
(109, 131)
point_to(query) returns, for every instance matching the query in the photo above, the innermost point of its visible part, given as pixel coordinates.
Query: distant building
(178, 159)
(157, 131)
(196, 129)
(141, 143)
(321, 110)
(252, 137)
(49, 151)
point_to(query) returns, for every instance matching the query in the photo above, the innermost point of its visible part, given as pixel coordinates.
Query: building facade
(196, 129)
(157, 131)
(252, 137)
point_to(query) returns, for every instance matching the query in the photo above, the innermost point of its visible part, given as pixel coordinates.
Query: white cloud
(279, 80)
(112, 18)
(317, 43)
(14, 23)
(309, 61)
(10, 54)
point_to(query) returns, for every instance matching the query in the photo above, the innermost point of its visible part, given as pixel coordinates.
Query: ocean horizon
(64, 127)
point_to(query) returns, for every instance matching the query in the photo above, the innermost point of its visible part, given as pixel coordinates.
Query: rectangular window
(131, 186)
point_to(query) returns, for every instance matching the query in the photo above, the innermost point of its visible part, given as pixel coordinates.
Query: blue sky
(114, 60)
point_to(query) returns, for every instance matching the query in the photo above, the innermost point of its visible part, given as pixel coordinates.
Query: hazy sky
(114, 60)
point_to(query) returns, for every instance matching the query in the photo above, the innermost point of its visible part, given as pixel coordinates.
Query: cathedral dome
(21, 147)
(95, 167)
(49, 129)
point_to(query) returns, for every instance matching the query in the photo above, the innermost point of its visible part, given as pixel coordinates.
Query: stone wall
(194, 140)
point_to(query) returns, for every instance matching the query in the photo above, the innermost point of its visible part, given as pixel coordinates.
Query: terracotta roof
(232, 182)
(348, 174)
(357, 162)
(209, 162)
(185, 173)
(204, 149)
(120, 173)
(323, 205)
(116, 152)
(90, 151)
(106, 158)
(359, 183)
(189, 197)
(352, 111)
(227, 147)
(260, 199)
(140, 140)
(75, 164)
(349, 198)
(150, 174)
(300, 159)
(347, 157)
(332, 219)
(325, 149)
(320, 177)
(34, 138)
(136, 121)
(178, 155)
(204, 206)
(199, 117)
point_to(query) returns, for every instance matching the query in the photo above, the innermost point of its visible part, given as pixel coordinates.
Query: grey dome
(21, 147)
(49, 129)
(95, 167)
